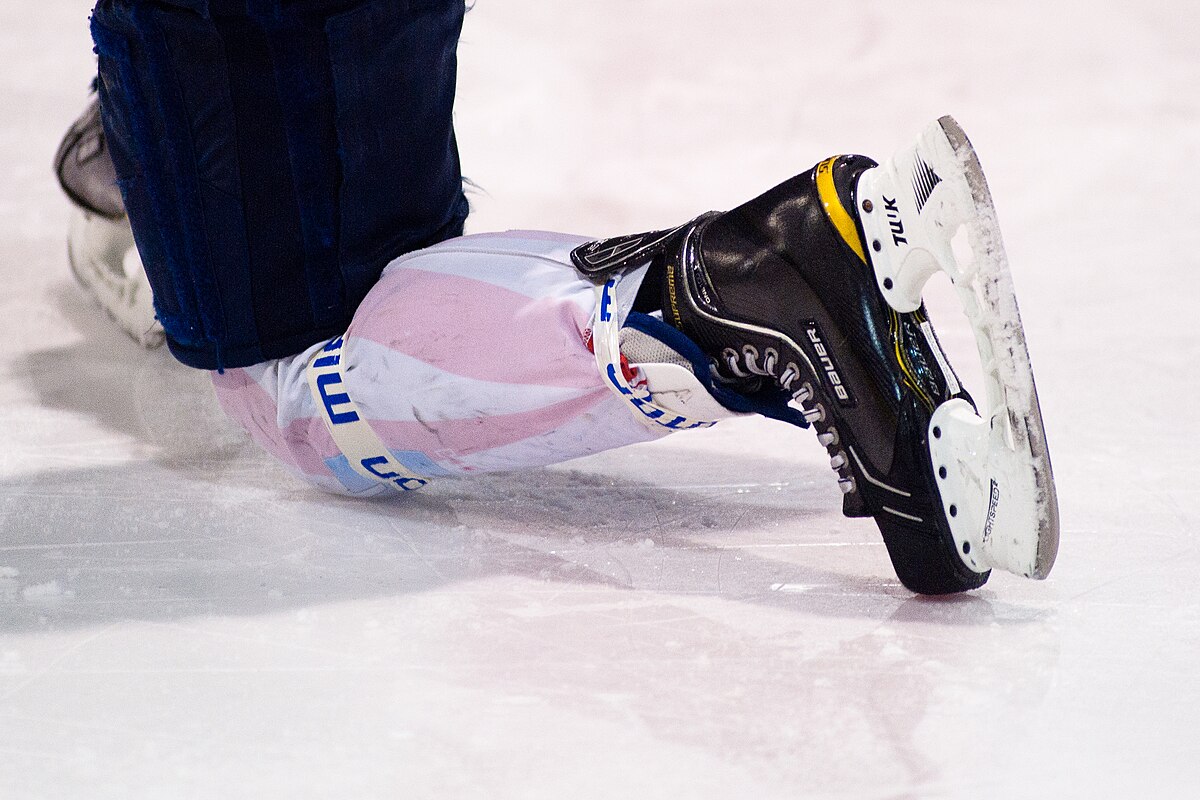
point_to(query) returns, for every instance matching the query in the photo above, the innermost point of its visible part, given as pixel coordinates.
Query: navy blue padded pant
(275, 155)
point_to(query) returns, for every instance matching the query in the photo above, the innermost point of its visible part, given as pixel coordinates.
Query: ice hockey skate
(100, 244)
(811, 295)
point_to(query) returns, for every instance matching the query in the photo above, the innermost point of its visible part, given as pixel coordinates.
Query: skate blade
(998, 492)
(994, 470)
(105, 263)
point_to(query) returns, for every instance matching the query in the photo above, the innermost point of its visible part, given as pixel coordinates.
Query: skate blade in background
(106, 264)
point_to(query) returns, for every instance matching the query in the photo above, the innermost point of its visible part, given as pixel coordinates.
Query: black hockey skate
(814, 288)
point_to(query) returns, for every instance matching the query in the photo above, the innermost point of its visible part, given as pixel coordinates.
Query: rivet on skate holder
(994, 473)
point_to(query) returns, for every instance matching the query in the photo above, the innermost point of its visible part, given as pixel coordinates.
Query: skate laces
(748, 362)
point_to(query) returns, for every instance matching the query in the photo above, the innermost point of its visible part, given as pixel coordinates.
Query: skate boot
(100, 244)
(814, 289)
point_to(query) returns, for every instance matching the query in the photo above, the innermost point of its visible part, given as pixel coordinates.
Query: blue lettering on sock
(407, 484)
(369, 465)
(606, 301)
(327, 361)
(334, 399)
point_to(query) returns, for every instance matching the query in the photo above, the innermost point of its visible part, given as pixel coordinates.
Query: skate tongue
(602, 258)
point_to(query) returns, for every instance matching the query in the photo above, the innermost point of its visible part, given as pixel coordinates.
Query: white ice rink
(179, 618)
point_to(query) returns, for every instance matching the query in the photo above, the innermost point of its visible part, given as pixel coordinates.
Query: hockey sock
(469, 356)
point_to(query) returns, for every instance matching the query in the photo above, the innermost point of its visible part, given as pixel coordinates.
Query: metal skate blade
(1005, 467)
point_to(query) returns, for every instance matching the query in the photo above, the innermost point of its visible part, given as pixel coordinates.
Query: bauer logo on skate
(831, 370)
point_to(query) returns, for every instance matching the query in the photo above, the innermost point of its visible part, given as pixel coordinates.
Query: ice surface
(693, 618)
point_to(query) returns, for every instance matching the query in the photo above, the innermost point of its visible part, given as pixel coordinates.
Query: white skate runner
(995, 479)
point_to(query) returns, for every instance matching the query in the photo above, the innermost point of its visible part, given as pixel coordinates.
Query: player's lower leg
(467, 357)
(802, 304)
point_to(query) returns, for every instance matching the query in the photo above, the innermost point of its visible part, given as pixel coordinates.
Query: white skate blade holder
(106, 263)
(994, 473)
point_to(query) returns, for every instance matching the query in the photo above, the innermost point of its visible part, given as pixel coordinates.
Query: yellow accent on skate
(841, 219)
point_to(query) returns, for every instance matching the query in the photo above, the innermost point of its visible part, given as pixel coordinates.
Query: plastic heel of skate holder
(988, 493)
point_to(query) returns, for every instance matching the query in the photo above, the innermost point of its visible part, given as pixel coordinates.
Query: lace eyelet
(790, 373)
(770, 359)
